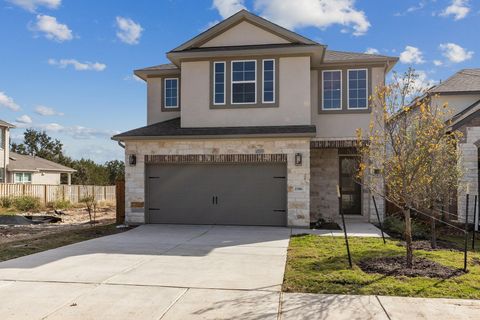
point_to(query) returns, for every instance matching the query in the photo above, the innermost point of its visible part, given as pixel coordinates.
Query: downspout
(121, 144)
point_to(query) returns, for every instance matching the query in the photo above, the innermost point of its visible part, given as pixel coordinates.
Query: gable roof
(465, 115)
(243, 15)
(20, 162)
(172, 129)
(6, 124)
(466, 80)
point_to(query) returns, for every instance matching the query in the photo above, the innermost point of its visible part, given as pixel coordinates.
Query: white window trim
(323, 91)
(23, 173)
(348, 89)
(165, 93)
(263, 81)
(224, 83)
(232, 82)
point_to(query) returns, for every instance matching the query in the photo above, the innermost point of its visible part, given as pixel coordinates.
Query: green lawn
(320, 265)
(25, 247)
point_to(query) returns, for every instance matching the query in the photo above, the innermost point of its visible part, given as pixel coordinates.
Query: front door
(350, 190)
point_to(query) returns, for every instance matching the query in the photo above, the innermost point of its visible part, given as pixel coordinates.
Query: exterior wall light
(298, 159)
(132, 160)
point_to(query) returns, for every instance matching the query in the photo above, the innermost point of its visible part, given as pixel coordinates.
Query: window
(219, 83)
(2, 135)
(171, 93)
(332, 90)
(1, 174)
(23, 177)
(268, 81)
(244, 82)
(357, 89)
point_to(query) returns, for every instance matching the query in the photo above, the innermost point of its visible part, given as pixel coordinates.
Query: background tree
(39, 143)
(405, 140)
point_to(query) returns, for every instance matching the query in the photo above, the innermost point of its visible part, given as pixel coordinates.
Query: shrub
(395, 226)
(26, 203)
(60, 204)
(6, 202)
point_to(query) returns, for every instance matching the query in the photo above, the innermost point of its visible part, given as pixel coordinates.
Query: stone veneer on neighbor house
(469, 160)
(298, 177)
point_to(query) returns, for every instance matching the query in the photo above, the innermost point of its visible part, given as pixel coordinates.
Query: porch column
(69, 175)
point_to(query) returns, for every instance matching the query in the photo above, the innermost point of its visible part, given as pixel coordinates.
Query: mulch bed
(396, 266)
(427, 246)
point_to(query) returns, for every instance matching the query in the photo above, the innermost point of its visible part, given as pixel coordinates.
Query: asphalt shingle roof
(30, 163)
(172, 128)
(344, 56)
(165, 66)
(6, 124)
(466, 80)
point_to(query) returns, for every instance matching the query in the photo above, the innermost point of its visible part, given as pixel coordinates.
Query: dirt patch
(72, 219)
(396, 266)
(427, 246)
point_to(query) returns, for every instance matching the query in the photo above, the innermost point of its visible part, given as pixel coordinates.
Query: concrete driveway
(152, 272)
(187, 272)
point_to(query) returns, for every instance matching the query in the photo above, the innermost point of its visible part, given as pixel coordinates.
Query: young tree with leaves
(409, 143)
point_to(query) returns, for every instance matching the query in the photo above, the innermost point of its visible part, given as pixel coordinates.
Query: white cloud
(52, 29)
(32, 5)
(77, 65)
(24, 119)
(455, 53)
(420, 84)
(76, 132)
(47, 111)
(411, 55)
(7, 102)
(459, 9)
(437, 62)
(128, 30)
(372, 51)
(226, 8)
(314, 13)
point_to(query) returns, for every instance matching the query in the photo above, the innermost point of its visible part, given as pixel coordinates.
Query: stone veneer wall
(469, 162)
(324, 173)
(298, 177)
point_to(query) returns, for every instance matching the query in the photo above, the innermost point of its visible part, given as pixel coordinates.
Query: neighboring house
(17, 168)
(462, 94)
(251, 124)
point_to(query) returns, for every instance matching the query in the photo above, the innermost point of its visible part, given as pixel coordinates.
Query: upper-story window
(357, 89)
(2, 137)
(244, 82)
(332, 90)
(268, 81)
(219, 83)
(171, 93)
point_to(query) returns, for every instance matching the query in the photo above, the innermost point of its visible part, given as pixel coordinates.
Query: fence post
(120, 201)
(474, 220)
(466, 235)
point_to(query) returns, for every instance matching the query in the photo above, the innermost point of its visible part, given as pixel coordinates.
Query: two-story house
(251, 124)
(461, 92)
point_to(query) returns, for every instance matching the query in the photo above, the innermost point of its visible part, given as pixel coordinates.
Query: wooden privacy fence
(48, 193)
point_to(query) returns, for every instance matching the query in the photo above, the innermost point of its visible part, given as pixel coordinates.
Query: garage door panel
(239, 194)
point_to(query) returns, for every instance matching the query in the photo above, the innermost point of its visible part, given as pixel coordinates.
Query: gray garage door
(231, 194)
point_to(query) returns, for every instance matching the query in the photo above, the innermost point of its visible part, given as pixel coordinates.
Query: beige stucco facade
(294, 103)
(154, 101)
(298, 177)
(243, 34)
(455, 102)
(4, 151)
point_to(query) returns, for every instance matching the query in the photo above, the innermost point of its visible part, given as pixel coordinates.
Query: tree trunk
(408, 237)
(433, 231)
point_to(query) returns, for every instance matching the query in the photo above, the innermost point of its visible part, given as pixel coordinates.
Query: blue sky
(66, 66)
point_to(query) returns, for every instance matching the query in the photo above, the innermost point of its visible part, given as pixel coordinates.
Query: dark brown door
(350, 190)
(230, 194)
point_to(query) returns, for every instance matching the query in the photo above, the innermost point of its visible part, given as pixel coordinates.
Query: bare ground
(73, 219)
